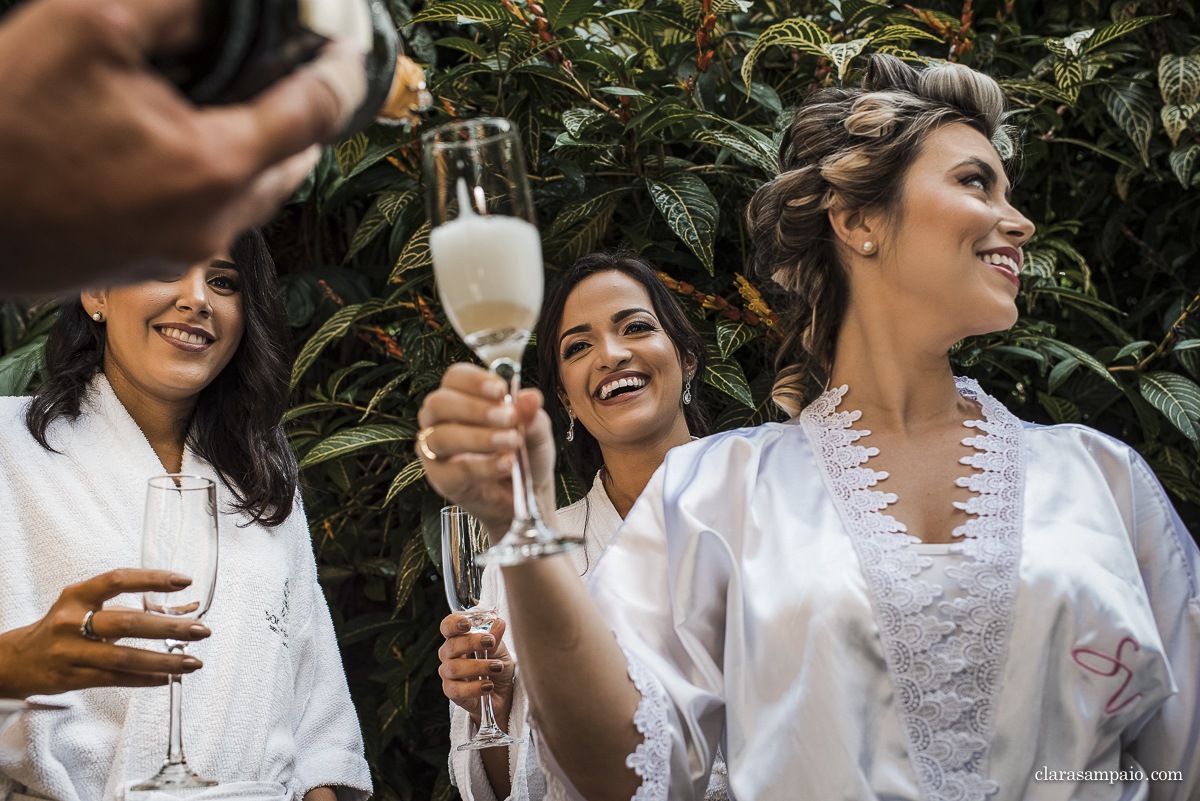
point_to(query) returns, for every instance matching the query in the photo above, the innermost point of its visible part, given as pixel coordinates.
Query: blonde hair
(849, 149)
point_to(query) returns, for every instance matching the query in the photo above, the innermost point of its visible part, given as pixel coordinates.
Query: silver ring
(86, 628)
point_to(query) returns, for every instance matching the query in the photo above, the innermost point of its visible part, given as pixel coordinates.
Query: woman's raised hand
(471, 431)
(54, 655)
(466, 679)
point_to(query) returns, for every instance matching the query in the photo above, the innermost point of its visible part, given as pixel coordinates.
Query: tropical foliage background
(651, 122)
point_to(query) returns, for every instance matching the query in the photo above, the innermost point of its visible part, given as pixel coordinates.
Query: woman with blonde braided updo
(765, 595)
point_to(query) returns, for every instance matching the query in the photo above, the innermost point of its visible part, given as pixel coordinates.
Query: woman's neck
(898, 373)
(628, 467)
(163, 422)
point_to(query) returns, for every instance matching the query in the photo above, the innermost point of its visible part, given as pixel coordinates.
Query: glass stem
(487, 717)
(175, 747)
(524, 504)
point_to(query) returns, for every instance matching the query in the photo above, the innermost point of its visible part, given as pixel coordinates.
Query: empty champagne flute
(179, 534)
(487, 259)
(463, 539)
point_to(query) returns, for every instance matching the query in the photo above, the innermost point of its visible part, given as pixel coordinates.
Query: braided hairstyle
(849, 149)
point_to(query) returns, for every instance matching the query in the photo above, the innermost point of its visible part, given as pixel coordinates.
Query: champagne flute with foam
(487, 260)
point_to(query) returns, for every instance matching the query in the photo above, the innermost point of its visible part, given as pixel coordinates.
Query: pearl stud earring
(868, 247)
(98, 317)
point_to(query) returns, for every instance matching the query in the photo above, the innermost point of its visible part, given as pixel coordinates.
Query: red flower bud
(703, 60)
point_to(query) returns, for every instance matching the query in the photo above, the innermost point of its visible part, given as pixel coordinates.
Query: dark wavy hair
(236, 423)
(583, 456)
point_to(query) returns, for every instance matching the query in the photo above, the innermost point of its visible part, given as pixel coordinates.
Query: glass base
(526, 541)
(174, 776)
(490, 737)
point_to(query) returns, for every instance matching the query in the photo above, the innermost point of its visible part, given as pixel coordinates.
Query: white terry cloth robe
(596, 519)
(269, 715)
(766, 600)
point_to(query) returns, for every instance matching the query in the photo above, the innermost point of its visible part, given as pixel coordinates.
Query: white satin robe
(767, 604)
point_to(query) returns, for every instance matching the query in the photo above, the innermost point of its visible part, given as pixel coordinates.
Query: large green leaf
(416, 253)
(1176, 118)
(1030, 86)
(18, 366)
(572, 213)
(569, 246)
(1086, 359)
(330, 330)
(799, 33)
(1110, 32)
(842, 53)
(731, 335)
(1178, 398)
(1060, 410)
(690, 209)
(1183, 163)
(408, 474)
(349, 152)
(464, 12)
(1132, 107)
(369, 227)
(413, 559)
(738, 145)
(727, 376)
(564, 13)
(355, 440)
(1179, 79)
(900, 35)
(578, 120)
(1068, 74)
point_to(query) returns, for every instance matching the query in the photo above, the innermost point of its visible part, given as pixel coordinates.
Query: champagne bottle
(244, 46)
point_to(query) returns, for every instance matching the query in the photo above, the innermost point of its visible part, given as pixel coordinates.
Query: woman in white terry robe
(1031, 630)
(183, 375)
(654, 351)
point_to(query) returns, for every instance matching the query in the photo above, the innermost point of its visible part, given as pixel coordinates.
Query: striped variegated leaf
(1178, 398)
(798, 33)
(690, 209)
(355, 440)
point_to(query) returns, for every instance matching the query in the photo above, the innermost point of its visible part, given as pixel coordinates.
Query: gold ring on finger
(423, 444)
(86, 630)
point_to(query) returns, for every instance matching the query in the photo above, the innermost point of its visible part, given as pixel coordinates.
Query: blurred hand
(465, 679)
(52, 655)
(472, 431)
(110, 173)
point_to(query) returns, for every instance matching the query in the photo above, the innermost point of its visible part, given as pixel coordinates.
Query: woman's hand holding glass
(473, 435)
(53, 655)
(461, 671)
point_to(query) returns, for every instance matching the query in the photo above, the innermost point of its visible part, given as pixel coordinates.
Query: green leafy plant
(651, 122)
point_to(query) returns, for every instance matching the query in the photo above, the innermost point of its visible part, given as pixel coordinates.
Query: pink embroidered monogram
(1111, 667)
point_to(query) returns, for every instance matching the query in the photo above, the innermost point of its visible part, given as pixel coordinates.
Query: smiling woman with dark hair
(187, 374)
(620, 367)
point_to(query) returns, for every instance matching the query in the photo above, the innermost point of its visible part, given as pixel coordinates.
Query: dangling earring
(571, 428)
(687, 391)
(98, 317)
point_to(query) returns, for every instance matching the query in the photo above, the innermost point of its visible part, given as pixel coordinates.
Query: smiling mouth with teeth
(1000, 260)
(620, 386)
(183, 336)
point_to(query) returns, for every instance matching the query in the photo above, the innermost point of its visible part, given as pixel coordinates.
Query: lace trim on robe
(651, 760)
(945, 668)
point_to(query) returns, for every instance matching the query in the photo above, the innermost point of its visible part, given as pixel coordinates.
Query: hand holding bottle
(109, 172)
